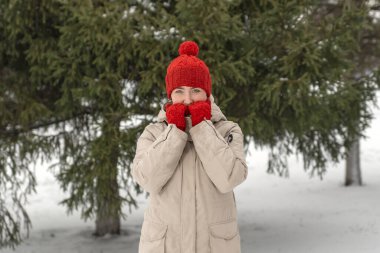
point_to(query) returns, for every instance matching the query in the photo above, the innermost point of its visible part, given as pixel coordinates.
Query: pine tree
(80, 81)
(64, 68)
(302, 92)
(20, 114)
(367, 68)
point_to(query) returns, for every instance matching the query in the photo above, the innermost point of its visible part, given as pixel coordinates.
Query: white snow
(288, 215)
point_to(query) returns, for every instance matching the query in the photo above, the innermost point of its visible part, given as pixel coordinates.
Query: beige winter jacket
(190, 177)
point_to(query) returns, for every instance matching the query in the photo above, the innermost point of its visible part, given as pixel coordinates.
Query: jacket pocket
(225, 237)
(152, 238)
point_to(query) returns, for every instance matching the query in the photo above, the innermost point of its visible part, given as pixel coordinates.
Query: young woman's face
(187, 95)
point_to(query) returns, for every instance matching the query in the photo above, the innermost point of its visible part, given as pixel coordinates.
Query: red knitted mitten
(175, 114)
(199, 111)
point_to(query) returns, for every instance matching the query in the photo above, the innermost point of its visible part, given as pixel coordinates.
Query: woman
(190, 161)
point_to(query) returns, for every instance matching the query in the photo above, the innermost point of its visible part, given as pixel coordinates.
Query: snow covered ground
(283, 215)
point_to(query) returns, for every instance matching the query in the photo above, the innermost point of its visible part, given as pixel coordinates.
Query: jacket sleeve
(156, 159)
(223, 162)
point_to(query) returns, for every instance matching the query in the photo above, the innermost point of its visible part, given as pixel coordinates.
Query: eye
(196, 90)
(178, 91)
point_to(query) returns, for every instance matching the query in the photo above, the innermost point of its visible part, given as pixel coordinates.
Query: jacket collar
(216, 115)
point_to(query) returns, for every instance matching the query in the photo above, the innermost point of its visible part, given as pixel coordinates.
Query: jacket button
(230, 138)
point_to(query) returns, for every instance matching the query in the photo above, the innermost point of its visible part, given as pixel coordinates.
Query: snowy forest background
(80, 80)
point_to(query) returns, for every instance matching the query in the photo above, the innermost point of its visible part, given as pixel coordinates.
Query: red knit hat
(188, 70)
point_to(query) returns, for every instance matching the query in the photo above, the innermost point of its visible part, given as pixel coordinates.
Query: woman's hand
(199, 111)
(175, 114)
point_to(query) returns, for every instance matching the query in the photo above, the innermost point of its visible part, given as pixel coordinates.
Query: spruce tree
(80, 81)
(302, 97)
(367, 68)
(20, 115)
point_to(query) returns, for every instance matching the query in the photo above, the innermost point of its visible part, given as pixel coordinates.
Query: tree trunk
(107, 217)
(353, 172)
(107, 187)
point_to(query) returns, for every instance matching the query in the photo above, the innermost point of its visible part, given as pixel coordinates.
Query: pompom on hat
(188, 70)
